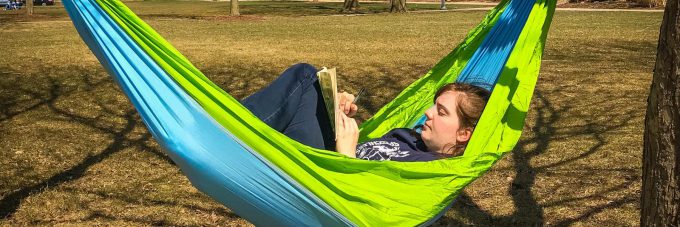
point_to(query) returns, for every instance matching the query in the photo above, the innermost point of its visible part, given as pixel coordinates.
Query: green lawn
(217, 10)
(73, 150)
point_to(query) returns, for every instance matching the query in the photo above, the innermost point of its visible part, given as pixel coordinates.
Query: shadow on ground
(57, 94)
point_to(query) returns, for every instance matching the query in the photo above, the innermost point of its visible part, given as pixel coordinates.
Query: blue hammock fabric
(485, 66)
(219, 161)
(150, 88)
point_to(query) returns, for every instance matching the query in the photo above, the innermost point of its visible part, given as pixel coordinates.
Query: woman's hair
(469, 107)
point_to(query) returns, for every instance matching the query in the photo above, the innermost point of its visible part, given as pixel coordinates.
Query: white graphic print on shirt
(380, 150)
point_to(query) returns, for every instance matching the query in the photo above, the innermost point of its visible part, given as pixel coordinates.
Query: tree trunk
(29, 7)
(661, 154)
(397, 6)
(651, 3)
(350, 5)
(234, 8)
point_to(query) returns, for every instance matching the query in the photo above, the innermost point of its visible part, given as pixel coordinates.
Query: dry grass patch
(73, 151)
(201, 10)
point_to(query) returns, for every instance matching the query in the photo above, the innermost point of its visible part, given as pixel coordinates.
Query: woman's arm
(348, 135)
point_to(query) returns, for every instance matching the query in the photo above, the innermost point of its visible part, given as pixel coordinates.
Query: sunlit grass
(218, 10)
(73, 151)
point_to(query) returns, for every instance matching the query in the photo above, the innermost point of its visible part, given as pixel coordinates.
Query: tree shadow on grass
(55, 90)
(528, 211)
(49, 93)
(243, 81)
(103, 214)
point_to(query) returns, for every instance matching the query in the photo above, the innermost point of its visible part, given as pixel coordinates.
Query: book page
(329, 91)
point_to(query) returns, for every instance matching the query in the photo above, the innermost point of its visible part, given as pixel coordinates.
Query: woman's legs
(292, 104)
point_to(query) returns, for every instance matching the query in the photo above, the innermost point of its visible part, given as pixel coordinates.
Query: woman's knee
(303, 71)
(304, 67)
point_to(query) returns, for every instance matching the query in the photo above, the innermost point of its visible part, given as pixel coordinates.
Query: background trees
(234, 8)
(350, 5)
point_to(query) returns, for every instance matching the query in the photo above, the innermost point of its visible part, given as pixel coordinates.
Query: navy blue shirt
(402, 144)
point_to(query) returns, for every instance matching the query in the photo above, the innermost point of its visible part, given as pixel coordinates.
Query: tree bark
(350, 5)
(661, 154)
(651, 3)
(234, 8)
(29, 7)
(397, 6)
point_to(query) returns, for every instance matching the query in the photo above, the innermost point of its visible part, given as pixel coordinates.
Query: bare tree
(397, 6)
(350, 5)
(234, 8)
(661, 153)
(29, 7)
(651, 3)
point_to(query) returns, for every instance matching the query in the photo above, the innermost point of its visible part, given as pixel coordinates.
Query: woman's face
(442, 129)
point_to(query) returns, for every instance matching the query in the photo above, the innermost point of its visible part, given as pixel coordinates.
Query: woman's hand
(348, 135)
(346, 105)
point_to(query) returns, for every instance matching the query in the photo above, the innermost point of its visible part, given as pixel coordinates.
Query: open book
(329, 91)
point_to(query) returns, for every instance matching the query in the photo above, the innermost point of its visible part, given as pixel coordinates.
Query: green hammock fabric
(356, 188)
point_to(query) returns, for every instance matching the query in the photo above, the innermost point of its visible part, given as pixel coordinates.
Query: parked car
(11, 5)
(4, 2)
(39, 2)
(43, 2)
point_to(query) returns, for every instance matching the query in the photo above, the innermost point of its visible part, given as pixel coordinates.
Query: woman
(292, 104)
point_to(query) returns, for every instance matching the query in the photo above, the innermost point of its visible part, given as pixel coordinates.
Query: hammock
(269, 179)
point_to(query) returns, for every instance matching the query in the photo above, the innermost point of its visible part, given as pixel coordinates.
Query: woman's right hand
(346, 104)
(347, 136)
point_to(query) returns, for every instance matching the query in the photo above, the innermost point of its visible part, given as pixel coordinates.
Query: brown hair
(469, 108)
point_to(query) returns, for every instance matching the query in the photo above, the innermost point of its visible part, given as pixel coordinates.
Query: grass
(217, 10)
(73, 151)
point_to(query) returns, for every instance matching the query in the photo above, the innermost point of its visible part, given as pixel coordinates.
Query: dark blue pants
(293, 105)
